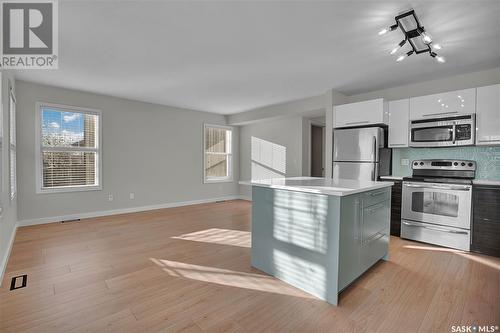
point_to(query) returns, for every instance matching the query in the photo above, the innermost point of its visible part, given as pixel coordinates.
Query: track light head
(386, 30)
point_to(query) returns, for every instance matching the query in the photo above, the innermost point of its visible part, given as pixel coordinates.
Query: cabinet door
(361, 113)
(442, 105)
(396, 208)
(399, 117)
(350, 239)
(486, 220)
(488, 115)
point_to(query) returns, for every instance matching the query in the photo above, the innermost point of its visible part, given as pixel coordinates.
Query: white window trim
(228, 179)
(38, 149)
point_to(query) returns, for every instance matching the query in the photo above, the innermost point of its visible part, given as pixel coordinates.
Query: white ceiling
(228, 57)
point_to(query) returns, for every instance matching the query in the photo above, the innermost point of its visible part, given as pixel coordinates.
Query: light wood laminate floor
(188, 269)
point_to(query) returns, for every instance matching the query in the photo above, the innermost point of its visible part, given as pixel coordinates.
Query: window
(69, 149)
(218, 159)
(12, 144)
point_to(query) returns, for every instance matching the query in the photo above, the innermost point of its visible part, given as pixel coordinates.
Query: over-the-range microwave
(443, 132)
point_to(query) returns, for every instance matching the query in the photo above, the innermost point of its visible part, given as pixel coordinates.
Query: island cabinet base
(319, 243)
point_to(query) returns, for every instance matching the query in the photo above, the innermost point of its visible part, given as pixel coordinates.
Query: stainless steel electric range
(437, 203)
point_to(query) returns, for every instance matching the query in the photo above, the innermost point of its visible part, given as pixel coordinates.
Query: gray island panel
(316, 242)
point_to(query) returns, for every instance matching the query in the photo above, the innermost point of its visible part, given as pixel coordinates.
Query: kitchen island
(319, 234)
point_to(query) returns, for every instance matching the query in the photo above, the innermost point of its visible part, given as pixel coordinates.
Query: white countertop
(486, 182)
(339, 187)
(391, 177)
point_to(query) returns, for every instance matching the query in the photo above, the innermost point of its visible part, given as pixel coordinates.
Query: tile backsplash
(487, 158)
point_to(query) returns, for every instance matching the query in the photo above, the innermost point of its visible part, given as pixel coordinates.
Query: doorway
(317, 151)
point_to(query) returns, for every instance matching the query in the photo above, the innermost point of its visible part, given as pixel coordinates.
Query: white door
(399, 118)
(450, 103)
(488, 115)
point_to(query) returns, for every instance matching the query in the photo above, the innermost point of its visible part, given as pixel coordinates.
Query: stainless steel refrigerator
(360, 153)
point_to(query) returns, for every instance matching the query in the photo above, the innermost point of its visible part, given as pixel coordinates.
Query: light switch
(405, 161)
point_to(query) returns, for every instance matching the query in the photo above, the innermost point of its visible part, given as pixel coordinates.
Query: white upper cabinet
(488, 115)
(399, 118)
(446, 104)
(361, 113)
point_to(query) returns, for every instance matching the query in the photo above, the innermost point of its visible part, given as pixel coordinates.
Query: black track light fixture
(416, 36)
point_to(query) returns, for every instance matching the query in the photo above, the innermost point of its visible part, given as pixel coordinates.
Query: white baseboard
(53, 219)
(5, 259)
(246, 197)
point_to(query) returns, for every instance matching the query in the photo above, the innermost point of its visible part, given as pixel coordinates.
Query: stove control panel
(444, 165)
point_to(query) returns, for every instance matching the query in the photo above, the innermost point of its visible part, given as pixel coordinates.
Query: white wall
(152, 150)
(311, 106)
(8, 218)
(332, 98)
(275, 135)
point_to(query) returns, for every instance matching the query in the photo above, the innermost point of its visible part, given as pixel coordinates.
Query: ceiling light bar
(419, 40)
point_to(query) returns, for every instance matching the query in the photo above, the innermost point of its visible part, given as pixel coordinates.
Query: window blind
(218, 153)
(69, 148)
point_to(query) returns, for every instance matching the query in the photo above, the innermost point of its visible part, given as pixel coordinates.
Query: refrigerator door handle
(375, 149)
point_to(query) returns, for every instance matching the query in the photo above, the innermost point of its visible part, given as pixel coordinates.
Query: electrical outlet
(132, 195)
(110, 197)
(405, 161)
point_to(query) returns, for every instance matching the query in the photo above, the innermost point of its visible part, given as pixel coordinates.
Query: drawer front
(486, 202)
(374, 197)
(375, 219)
(486, 237)
(374, 250)
(449, 237)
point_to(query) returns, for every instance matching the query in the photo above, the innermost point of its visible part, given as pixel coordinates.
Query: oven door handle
(452, 187)
(436, 229)
(454, 133)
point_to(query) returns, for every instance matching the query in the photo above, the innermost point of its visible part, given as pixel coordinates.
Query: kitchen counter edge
(327, 190)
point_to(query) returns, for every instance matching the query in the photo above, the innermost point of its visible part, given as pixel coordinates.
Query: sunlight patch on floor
(228, 277)
(432, 248)
(491, 262)
(219, 236)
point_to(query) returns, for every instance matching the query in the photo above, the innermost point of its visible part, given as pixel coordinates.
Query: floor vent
(14, 283)
(65, 221)
(220, 201)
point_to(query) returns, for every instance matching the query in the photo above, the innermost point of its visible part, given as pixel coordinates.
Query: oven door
(444, 204)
